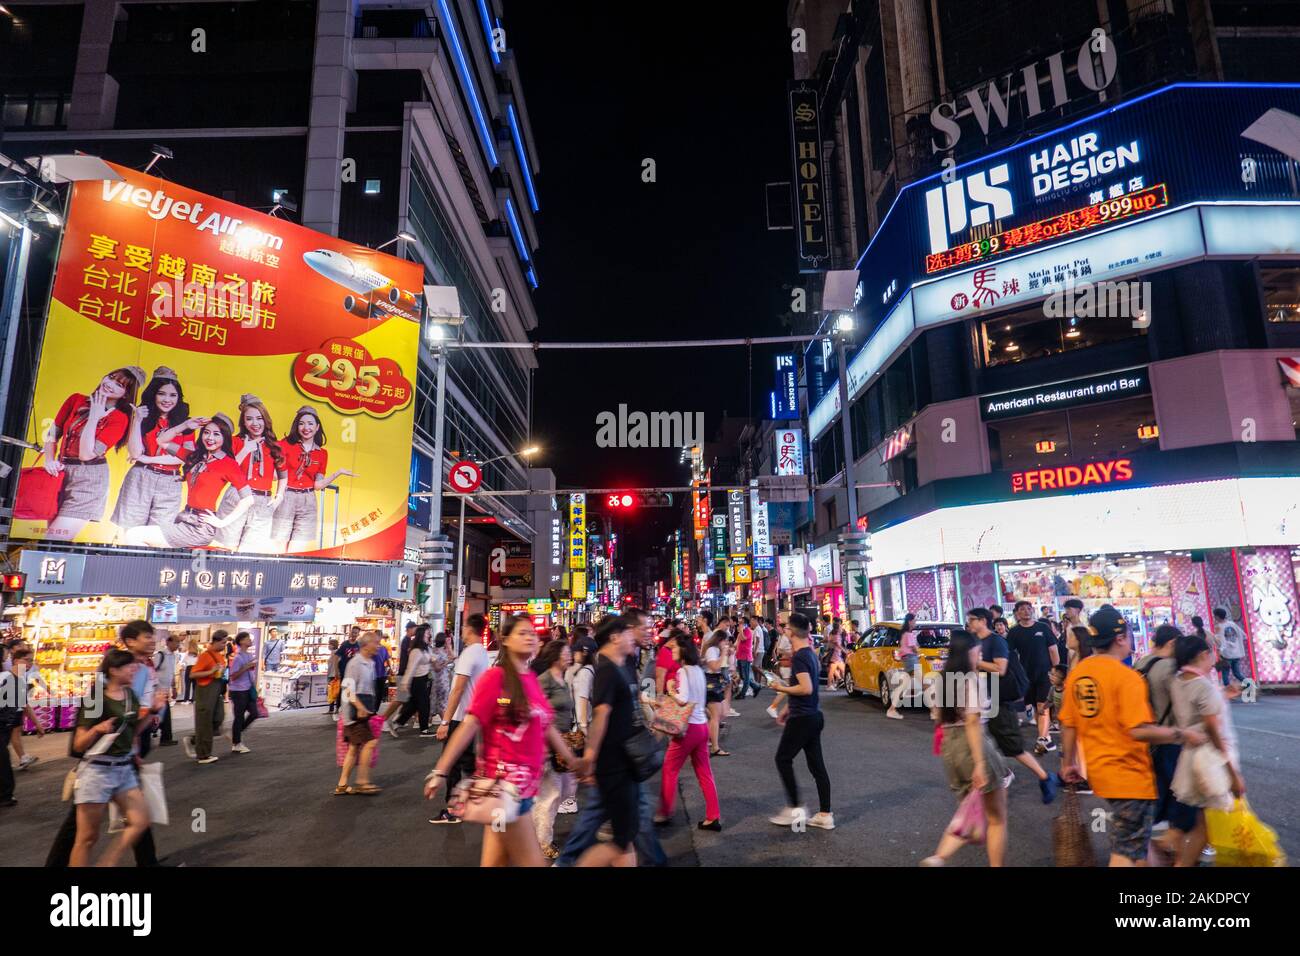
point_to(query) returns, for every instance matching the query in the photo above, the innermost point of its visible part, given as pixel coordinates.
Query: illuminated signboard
(785, 398)
(1063, 477)
(809, 177)
(789, 451)
(701, 508)
(1080, 391)
(1051, 229)
(577, 533)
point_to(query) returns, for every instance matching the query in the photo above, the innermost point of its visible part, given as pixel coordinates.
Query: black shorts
(1004, 728)
(1039, 691)
(715, 688)
(621, 796)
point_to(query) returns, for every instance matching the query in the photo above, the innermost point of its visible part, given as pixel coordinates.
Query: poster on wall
(1268, 581)
(213, 377)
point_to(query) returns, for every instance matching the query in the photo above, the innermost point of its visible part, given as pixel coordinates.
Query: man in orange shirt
(1106, 708)
(209, 712)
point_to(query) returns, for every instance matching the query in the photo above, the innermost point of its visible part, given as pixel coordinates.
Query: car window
(889, 637)
(933, 637)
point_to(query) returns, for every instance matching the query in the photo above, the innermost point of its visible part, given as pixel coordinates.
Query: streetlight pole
(460, 568)
(11, 307)
(435, 611)
(850, 485)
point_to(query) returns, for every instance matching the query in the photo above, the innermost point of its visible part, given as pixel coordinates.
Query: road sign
(465, 477)
(783, 487)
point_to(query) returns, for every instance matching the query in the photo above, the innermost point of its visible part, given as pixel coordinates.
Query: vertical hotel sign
(809, 177)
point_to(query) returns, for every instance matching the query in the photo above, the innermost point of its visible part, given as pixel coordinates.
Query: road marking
(1275, 733)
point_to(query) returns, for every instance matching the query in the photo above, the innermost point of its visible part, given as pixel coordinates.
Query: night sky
(701, 91)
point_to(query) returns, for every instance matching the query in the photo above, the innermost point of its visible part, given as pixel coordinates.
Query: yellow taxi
(869, 663)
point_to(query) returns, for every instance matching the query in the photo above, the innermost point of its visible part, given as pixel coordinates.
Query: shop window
(1293, 394)
(1088, 433)
(1029, 334)
(1281, 285)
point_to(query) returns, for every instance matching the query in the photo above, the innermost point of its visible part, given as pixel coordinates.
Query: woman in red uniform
(296, 521)
(260, 457)
(158, 441)
(84, 429)
(208, 470)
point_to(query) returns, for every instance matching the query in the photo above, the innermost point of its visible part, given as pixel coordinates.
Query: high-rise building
(1072, 231)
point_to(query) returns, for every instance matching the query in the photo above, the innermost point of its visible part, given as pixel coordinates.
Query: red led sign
(1050, 229)
(1072, 476)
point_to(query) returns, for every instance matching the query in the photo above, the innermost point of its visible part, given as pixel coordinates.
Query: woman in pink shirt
(745, 661)
(908, 655)
(517, 724)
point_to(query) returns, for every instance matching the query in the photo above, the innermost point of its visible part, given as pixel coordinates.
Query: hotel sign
(809, 178)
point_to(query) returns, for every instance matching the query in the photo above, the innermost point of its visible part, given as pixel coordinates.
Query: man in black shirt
(616, 718)
(1036, 644)
(803, 731)
(1006, 689)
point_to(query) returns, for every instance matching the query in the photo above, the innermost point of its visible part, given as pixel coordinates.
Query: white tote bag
(155, 798)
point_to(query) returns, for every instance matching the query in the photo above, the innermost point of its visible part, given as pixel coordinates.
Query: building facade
(1074, 239)
(361, 120)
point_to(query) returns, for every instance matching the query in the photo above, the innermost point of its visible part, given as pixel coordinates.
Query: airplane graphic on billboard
(371, 294)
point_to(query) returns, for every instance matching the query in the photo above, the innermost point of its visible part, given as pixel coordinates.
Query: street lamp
(403, 236)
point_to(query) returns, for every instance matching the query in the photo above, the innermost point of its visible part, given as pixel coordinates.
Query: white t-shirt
(579, 680)
(473, 661)
(712, 654)
(691, 689)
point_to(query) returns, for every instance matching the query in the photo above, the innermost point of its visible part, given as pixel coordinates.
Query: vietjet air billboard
(214, 377)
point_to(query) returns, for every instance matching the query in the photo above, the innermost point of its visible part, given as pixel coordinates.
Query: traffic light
(423, 585)
(631, 500)
(12, 585)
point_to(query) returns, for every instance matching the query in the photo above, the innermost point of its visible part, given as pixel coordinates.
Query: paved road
(274, 806)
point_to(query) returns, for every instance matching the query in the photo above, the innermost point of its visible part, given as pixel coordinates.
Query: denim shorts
(526, 805)
(97, 783)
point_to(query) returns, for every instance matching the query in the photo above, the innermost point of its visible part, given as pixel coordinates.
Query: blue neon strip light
(517, 233)
(532, 276)
(523, 155)
(487, 31)
(467, 78)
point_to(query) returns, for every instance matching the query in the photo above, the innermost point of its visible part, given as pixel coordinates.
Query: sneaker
(188, 743)
(932, 861)
(239, 749)
(733, 713)
(788, 816)
(772, 712)
(893, 714)
(568, 806)
(391, 728)
(1046, 744)
(27, 761)
(1008, 780)
(1083, 787)
(1049, 787)
(445, 817)
(428, 733)
(212, 758)
(823, 821)
(1208, 854)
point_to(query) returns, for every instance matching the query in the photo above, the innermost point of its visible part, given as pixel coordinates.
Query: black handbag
(644, 754)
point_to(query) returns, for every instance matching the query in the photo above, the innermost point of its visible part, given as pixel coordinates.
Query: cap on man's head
(1106, 624)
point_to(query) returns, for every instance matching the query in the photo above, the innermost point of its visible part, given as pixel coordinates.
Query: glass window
(1089, 433)
(1281, 284)
(15, 110)
(1029, 334)
(45, 112)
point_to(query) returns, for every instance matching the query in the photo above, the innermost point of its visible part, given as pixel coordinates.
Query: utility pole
(850, 485)
(435, 611)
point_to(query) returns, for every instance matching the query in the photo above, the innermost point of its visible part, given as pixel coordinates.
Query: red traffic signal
(14, 582)
(620, 500)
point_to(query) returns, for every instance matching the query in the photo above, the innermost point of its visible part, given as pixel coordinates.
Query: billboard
(212, 377)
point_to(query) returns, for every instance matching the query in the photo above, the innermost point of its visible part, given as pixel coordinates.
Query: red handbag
(38, 494)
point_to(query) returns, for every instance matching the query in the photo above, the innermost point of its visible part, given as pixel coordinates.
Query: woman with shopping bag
(107, 736)
(1207, 777)
(973, 764)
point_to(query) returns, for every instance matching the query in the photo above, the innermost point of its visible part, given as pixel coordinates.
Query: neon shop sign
(1066, 477)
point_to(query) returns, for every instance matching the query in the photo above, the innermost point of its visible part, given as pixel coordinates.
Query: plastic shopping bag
(1240, 838)
(969, 821)
(151, 785)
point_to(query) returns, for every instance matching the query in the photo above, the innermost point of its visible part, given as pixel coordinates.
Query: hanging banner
(736, 523)
(789, 451)
(202, 356)
(577, 535)
(809, 178)
(760, 529)
(701, 495)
